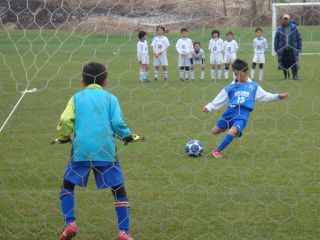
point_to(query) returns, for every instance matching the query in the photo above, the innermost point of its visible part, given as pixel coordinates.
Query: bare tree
(254, 8)
(224, 7)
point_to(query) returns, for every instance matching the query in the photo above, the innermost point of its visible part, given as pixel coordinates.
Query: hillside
(123, 17)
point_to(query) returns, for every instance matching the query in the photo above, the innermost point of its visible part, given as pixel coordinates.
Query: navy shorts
(106, 174)
(225, 124)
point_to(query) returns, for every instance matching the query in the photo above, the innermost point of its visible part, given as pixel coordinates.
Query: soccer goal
(308, 10)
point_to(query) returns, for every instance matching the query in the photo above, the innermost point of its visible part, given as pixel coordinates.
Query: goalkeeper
(93, 116)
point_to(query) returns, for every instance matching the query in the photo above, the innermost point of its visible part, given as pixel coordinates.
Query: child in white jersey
(159, 44)
(197, 57)
(230, 48)
(216, 57)
(259, 47)
(143, 56)
(184, 47)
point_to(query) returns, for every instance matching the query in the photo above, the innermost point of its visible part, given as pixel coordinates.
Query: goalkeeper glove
(133, 138)
(59, 141)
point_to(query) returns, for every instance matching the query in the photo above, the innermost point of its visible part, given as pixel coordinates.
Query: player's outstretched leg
(225, 142)
(123, 212)
(67, 206)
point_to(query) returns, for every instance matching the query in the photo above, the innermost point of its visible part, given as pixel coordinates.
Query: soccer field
(266, 186)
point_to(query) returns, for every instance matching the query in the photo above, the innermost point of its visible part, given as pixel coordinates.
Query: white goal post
(275, 17)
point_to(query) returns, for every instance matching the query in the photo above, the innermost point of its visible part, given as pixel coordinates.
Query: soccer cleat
(68, 232)
(187, 79)
(156, 79)
(181, 79)
(122, 235)
(216, 154)
(296, 78)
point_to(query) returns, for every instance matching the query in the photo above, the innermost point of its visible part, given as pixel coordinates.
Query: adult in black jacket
(288, 45)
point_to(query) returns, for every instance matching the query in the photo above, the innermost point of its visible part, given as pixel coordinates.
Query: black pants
(287, 61)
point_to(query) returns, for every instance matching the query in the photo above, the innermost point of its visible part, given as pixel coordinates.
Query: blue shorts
(106, 174)
(225, 124)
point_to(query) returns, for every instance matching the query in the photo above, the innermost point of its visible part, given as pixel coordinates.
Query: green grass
(265, 187)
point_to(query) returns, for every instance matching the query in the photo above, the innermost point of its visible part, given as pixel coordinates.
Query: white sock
(252, 73)
(141, 74)
(192, 75)
(226, 74)
(165, 75)
(145, 75)
(219, 74)
(260, 74)
(212, 74)
(202, 74)
(187, 74)
(181, 73)
(156, 74)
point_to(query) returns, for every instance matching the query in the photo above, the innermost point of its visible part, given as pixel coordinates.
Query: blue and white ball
(194, 148)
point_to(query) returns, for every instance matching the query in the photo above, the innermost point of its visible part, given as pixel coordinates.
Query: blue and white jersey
(241, 96)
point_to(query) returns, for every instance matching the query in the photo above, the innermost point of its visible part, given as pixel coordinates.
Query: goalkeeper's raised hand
(133, 138)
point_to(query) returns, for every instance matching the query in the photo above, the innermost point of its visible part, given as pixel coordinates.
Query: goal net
(266, 186)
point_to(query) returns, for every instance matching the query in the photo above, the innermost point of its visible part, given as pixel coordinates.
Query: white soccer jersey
(197, 57)
(230, 47)
(184, 45)
(216, 45)
(160, 44)
(260, 45)
(142, 50)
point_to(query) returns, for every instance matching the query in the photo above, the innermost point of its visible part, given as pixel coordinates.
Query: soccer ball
(194, 148)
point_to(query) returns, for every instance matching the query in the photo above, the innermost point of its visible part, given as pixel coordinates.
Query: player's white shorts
(197, 62)
(184, 61)
(230, 58)
(161, 60)
(144, 59)
(216, 58)
(259, 58)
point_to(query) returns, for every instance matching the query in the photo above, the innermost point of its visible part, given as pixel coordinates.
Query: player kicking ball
(240, 96)
(93, 116)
